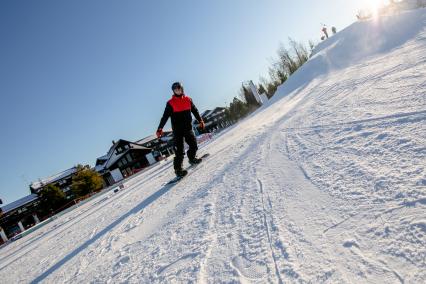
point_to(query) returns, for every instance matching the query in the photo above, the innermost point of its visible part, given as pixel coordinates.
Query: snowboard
(190, 169)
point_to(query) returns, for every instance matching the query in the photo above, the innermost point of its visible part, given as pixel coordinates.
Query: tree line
(289, 59)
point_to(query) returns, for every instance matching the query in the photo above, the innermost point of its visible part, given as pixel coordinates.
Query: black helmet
(177, 85)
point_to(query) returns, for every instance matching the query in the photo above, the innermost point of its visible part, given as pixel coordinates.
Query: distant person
(179, 108)
(324, 30)
(333, 30)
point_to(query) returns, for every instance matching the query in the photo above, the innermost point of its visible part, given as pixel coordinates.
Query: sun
(374, 6)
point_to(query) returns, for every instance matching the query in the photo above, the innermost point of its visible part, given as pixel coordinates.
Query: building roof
(99, 168)
(166, 136)
(147, 139)
(206, 113)
(104, 157)
(19, 203)
(114, 159)
(209, 114)
(213, 112)
(109, 159)
(42, 182)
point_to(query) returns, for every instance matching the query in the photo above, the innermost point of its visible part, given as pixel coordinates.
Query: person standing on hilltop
(324, 30)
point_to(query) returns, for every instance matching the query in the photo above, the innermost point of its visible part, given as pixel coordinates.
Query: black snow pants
(179, 138)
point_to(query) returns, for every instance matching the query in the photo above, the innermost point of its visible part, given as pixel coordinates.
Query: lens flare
(373, 7)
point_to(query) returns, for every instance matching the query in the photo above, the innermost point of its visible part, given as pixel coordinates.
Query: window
(129, 158)
(110, 180)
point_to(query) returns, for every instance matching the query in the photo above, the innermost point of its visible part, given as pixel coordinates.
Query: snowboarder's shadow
(145, 203)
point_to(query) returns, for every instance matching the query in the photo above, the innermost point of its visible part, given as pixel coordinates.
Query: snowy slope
(326, 184)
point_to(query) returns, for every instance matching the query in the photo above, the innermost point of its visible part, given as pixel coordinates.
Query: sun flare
(373, 7)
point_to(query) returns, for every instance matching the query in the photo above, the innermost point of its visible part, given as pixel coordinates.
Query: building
(161, 147)
(214, 120)
(123, 159)
(18, 216)
(24, 213)
(63, 180)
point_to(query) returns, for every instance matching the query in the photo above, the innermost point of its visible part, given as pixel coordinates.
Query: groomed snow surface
(325, 184)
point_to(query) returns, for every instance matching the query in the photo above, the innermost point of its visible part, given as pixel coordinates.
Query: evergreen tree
(261, 89)
(248, 96)
(237, 110)
(272, 88)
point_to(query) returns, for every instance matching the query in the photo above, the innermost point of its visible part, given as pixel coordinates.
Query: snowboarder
(334, 30)
(179, 108)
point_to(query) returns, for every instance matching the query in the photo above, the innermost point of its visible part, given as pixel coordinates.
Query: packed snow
(327, 183)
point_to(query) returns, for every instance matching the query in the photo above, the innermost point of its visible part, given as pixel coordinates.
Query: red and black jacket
(179, 108)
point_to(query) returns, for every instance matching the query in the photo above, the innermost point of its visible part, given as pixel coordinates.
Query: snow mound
(365, 39)
(357, 43)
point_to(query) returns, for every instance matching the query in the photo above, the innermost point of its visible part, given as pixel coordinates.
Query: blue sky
(75, 75)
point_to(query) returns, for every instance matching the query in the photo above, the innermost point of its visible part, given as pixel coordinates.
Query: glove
(159, 132)
(202, 125)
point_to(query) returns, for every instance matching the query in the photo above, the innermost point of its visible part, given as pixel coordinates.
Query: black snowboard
(189, 170)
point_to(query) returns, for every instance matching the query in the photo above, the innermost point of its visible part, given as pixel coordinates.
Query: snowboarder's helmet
(177, 85)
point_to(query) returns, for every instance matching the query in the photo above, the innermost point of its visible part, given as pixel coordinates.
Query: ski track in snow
(324, 185)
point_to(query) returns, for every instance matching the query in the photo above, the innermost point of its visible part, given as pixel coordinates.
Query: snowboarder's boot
(195, 161)
(181, 173)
